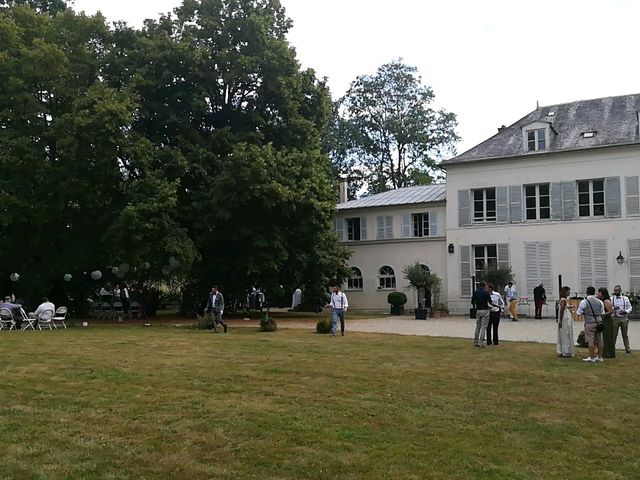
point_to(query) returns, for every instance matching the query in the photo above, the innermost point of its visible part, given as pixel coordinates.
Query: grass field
(161, 402)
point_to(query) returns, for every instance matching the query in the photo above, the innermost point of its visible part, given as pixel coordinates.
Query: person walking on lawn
(339, 305)
(511, 298)
(215, 306)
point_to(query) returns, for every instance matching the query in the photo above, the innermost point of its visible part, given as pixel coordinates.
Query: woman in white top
(565, 346)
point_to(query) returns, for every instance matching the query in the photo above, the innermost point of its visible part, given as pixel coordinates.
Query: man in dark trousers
(539, 298)
(482, 301)
(215, 306)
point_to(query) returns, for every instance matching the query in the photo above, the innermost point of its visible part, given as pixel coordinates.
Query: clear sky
(488, 61)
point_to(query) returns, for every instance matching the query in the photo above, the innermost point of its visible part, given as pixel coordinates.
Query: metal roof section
(401, 196)
(615, 119)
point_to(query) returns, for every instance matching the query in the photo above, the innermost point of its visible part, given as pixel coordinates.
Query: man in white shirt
(621, 310)
(592, 309)
(511, 298)
(339, 305)
(494, 315)
(45, 305)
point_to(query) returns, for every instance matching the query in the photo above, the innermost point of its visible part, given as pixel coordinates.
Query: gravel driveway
(526, 330)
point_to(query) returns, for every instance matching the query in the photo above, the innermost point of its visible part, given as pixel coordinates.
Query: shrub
(324, 325)
(396, 299)
(498, 276)
(204, 322)
(268, 324)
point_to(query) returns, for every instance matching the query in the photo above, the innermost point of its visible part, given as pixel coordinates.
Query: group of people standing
(600, 311)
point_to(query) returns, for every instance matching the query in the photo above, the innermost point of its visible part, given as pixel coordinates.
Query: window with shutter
(363, 228)
(354, 229)
(613, 209)
(340, 229)
(569, 200)
(388, 226)
(515, 200)
(464, 208)
(556, 201)
(465, 271)
(433, 224)
(592, 264)
(384, 227)
(502, 204)
(538, 266)
(406, 225)
(503, 255)
(634, 265)
(633, 195)
(380, 231)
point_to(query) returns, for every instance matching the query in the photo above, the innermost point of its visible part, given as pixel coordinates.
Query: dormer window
(536, 139)
(588, 134)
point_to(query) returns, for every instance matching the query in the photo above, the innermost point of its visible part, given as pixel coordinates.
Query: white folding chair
(6, 319)
(28, 322)
(46, 319)
(60, 317)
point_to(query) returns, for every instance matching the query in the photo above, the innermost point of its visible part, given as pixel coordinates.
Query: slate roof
(401, 196)
(615, 119)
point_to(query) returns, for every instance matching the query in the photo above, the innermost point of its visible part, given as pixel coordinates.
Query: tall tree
(386, 132)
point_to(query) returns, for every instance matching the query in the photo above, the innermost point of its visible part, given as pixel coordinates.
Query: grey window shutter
(380, 224)
(388, 230)
(634, 265)
(515, 199)
(503, 255)
(612, 201)
(633, 195)
(363, 228)
(465, 271)
(464, 208)
(545, 271)
(340, 229)
(502, 204)
(600, 267)
(556, 201)
(569, 198)
(406, 225)
(585, 264)
(433, 224)
(532, 270)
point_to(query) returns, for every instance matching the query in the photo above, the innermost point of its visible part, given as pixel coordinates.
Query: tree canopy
(385, 133)
(196, 138)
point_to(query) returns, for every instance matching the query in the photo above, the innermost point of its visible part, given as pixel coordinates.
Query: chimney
(343, 191)
(501, 128)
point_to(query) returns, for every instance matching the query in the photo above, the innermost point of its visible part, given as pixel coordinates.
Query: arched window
(354, 282)
(425, 268)
(387, 278)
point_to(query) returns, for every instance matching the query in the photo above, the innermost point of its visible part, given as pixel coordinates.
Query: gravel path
(526, 330)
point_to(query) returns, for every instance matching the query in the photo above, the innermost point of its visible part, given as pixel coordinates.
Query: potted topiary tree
(397, 301)
(498, 276)
(427, 286)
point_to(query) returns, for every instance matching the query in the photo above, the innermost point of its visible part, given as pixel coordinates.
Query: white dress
(565, 346)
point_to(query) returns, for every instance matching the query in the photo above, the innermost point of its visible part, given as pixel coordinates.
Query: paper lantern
(96, 274)
(146, 265)
(115, 270)
(67, 277)
(124, 267)
(14, 277)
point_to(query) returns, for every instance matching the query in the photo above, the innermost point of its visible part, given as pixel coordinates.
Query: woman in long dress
(565, 346)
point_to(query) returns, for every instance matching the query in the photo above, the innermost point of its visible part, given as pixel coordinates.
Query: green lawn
(163, 402)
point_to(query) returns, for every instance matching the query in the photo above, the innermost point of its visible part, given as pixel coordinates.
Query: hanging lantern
(96, 274)
(124, 267)
(115, 270)
(14, 277)
(67, 277)
(146, 265)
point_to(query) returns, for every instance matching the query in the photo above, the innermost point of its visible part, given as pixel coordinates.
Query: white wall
(397, 253)
(563, 235)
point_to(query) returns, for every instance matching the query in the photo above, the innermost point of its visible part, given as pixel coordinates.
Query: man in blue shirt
(482, 301)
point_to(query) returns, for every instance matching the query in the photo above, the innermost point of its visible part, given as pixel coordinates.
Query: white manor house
(556, 193)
